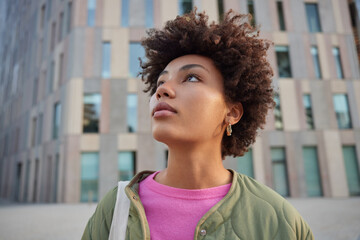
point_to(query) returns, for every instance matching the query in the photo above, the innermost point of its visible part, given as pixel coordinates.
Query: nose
(165, 91)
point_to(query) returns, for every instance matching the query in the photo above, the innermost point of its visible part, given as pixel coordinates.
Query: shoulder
(99, 224)
(274, 207)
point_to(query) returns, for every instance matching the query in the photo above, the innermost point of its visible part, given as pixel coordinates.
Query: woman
(210, 88)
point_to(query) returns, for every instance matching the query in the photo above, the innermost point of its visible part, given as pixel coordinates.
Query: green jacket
(249, 210)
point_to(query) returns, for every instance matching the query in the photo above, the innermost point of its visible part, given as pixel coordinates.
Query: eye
(192, 78)
(160, 82)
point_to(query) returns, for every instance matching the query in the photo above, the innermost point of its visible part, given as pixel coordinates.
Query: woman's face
(189, 103)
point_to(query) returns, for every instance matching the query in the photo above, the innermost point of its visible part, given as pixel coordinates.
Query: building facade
(74, 119)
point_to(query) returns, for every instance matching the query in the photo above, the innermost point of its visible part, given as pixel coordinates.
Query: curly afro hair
(236, 50)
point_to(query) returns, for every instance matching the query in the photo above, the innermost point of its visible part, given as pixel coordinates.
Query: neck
(194, 167)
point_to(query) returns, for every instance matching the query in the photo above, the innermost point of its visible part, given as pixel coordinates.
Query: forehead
(177, 63)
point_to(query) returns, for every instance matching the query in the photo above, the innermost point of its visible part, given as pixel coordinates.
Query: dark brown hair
(236, 50)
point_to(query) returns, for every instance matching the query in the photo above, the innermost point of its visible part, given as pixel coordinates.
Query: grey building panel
(92, 85)
(276, 139)
(263, 16)
(118, 106)
(327, 18)
(107, 163)
(97, 52)
(76, 59)
(323, 114)
(298, 15)
(297, 56)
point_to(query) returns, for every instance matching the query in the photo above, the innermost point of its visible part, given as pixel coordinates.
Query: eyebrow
(186, 67)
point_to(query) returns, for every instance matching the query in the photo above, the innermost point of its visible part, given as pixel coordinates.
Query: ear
(235, 112)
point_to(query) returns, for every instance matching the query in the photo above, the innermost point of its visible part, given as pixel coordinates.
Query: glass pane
(125, 7)
(283, 61)
(280, 179)
(352, 170)
(149, 15)
(69, 16)
(57, 120)
(220, 4)
(338, 65)
(313, 17)
(251, 10)
(132, 112)
(126, 165)
(281, 15)
(315, 57)
(312, 176)
(341, 108)
(89, 177)
(185, 6)
(91, 12)
(92, 108)
(136, 52)
(277, 114)
(106, 60)
(308, 111)
(245, 164)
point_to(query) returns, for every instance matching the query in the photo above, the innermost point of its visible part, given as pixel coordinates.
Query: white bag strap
(121, 213)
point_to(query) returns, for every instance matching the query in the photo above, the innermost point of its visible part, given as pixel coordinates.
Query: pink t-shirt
(173, 213)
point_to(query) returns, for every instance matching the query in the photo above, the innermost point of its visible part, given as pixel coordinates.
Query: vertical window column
(280, 178)
(91, 113)
(185, 6)
(106, 60)
(277, 113)
(251, 10)
(132, 112)
(69, 17)
(136, 52)
(316, 61)
(280, 10)
(283, 61)
(245, 164)
(352, 170)
(149, 13)
(313, 17)
(91, 7)
(89, 177)
(308, 111)
(312, 173)
(56, 120)
(126, 165)
(338, 65)
(342, 111)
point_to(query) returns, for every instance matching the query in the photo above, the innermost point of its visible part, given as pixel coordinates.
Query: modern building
(74, 119)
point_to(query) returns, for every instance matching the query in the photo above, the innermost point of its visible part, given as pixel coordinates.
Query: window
(55, 180)
(338, 65)
(33, 133)
(61, 66)
(283, 61)
(61, 26)
(35, 90)
(281, 17)
(51, 77)
(251, 10)
(245, 164)
(40, 124)
(312, 173)
(280, 179)
(277, 113)
(92, 106)
(132, 112)
(149, 14)
(220, 4)
(91, 12)
(27, 175)
(352, 170)
(136, 52)
(126, 165)
(342, 111)
(89, 177)
(185, 6)
(42, 16)
(69, 17)
(308, 111)
(53, 34)
(36, 176)
(106, 60)
(56, 120)
(316, 61)
(125, 8)
(313, 18)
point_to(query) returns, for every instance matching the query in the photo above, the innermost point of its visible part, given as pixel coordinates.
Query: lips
(163, 106)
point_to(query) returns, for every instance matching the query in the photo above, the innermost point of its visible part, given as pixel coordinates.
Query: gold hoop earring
(228, 130)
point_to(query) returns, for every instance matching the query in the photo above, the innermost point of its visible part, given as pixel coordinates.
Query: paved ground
(329, 219)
